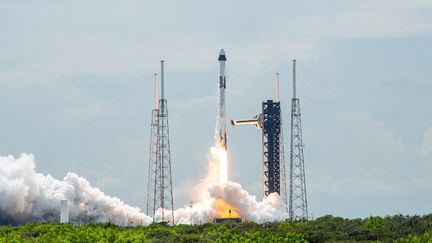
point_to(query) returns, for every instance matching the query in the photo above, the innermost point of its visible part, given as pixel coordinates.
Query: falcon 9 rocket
(221, 123)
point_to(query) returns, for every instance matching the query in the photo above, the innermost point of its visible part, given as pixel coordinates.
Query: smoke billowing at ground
(27, 196)
(225, 196)
(226, 199)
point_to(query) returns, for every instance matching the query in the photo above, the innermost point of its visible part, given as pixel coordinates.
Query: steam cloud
(212, 191)
(27, 196)
(246, 205)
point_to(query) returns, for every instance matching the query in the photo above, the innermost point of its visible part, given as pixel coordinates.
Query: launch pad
(222, 220)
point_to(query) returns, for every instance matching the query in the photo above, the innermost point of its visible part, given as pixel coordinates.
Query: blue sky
(76, 91)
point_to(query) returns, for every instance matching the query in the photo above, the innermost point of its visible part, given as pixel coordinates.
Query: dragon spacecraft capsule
(222, 138)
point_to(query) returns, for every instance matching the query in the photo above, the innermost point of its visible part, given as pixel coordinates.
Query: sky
(76, 82)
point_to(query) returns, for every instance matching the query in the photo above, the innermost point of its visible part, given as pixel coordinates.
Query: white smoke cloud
(245, 204)
(27, 196)
(211, 191)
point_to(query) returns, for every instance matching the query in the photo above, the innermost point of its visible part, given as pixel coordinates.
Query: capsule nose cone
(222, 56)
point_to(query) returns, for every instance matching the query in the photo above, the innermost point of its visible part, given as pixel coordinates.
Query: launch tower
(270, 123)
(271, 146)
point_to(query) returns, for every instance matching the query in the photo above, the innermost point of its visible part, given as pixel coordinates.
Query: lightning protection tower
(160, 161)
(153, 154)
(297, 188)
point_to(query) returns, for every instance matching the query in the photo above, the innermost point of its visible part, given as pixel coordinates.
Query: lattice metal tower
(153, 154)
(162, 191)
(297, 196)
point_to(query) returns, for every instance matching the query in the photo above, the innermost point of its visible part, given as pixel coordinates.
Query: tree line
(398, 228)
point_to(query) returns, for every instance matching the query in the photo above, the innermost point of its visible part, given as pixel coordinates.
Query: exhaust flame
(224, 210)
(220, 155)
(221, 208)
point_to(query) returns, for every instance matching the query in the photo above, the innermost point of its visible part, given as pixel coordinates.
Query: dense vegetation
(324, 229)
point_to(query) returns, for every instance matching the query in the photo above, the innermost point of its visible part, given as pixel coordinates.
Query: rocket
(221, 124)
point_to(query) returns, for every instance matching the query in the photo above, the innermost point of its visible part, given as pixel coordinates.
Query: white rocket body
(221, 126)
